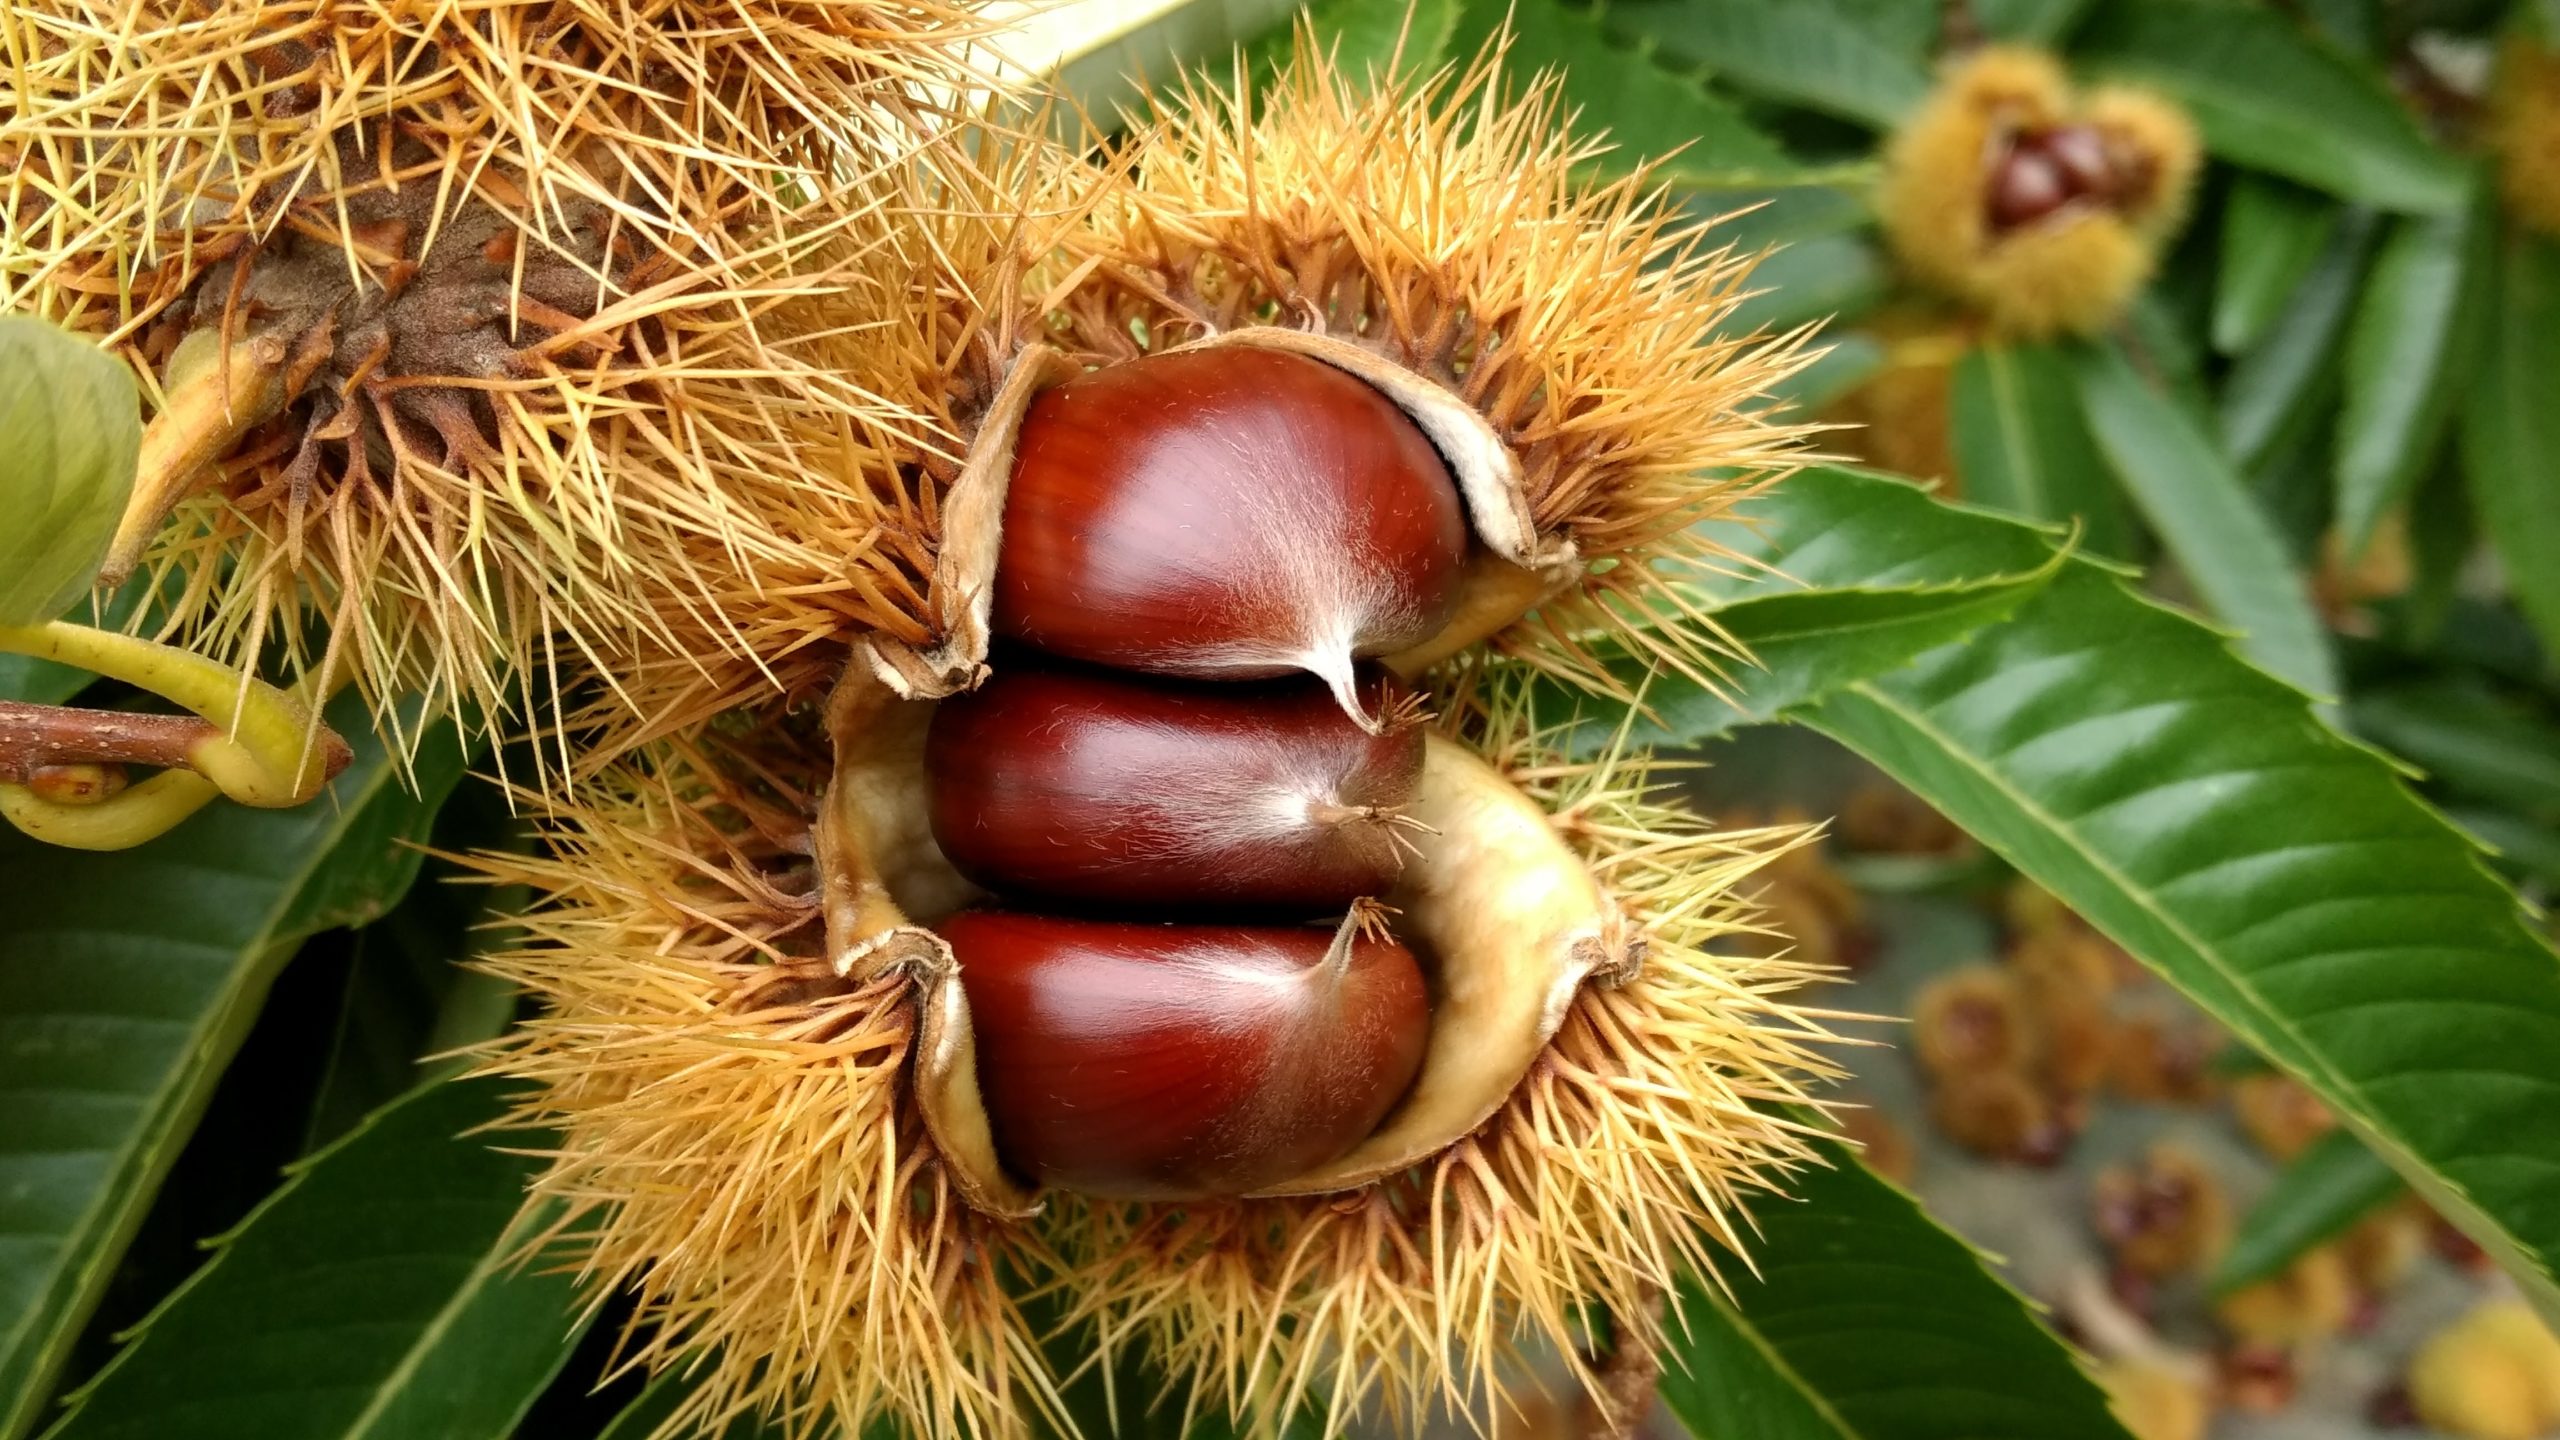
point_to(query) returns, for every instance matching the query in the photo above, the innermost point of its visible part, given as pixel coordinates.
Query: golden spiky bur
(2041, 209)
(2527, 132)
(741, 1146)
(478, 315)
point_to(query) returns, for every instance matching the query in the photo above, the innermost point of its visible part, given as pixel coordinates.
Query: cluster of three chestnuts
(1185, 780)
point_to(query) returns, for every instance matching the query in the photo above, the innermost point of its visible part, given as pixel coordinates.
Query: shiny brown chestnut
(1081, 786)
(2042, 171)
(1229, 513)
(1178, 1062)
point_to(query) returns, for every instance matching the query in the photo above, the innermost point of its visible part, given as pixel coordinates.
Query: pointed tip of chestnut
(1226, 513)
(1179, 1062)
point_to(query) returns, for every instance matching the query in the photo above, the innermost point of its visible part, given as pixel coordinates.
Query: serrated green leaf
(1649, 108)
(2520, 846)
(376, 1295)
(2511, 430)
(73, 418)
(1866, 1321)
(130, 978)
(1805, 52)
(2408, 356)
(1875, 573)
(2204, 514)
(2036, 21)
(2270, 97)
(2473, 742)
(2273, 232)
(2327, 1188)
(2023, 445)
(2284, 878)
(2280, 386)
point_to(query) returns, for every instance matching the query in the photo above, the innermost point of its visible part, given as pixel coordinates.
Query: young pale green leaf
(1806, 52)
(2039, 22)
(378, 1294)
(2474, 743)
(2408, 356)
(73, 419)
(2204, 514)
(2281, 385)
(1875, 572)
(2273, 232)
(2284, 878)
(2270, 97)
(2024, 446)
(130, 979)
(2511, 430)
(2327, 1188)
(1650, 110)
(1866, 1321)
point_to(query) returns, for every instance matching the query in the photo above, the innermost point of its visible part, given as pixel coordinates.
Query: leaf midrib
(2300, 1050)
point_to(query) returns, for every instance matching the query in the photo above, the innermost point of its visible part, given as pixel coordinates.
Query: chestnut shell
(1227, 513)
(1091, 789)
(1178, 1062)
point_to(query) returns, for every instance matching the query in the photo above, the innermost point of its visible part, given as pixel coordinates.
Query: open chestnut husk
(1086, 788)
(1176, 1062)
(1229, 513)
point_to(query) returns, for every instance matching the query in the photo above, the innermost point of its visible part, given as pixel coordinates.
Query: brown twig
(34, 736)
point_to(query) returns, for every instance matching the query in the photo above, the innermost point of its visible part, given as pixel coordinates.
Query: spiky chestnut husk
(2527, 131)
(479, 316)
(735, 1140)
(2065, 268)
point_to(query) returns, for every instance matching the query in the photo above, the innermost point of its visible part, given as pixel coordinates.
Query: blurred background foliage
(2330, 423)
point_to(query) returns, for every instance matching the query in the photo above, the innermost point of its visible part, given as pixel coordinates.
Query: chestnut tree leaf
(378, 1294)
(2207, 518)
(1814, 53)
(2325, 1189)
(2273, 232)
(2024, 447)
(72, 419)
(130, 978)
(2283, 384)
(2269, 96)
(1862, 1319)
(2511, 430)
(1859, 574)
(2198, 812)
(2408, 356)
(1651, 109)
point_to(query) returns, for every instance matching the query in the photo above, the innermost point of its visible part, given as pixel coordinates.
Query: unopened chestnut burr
(1227, 513)
(1176, 1062)
(1084, 788)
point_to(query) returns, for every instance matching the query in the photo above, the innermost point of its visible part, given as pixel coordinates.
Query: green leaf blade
(2023, 446)
(1806, 52)
(2324, 1190)
(2283, 877)
(2269, 97)
(2272, 234)
(1866, 1321)
(2203, 512)
(2404, 363)
(73, 419)
(116, 1017)
(373, 1297)
(2511, 432)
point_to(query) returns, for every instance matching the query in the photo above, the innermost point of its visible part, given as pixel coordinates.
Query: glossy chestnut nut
(1231, 513)
(2025, 187)
(1085, 787)
(1176, 1062)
